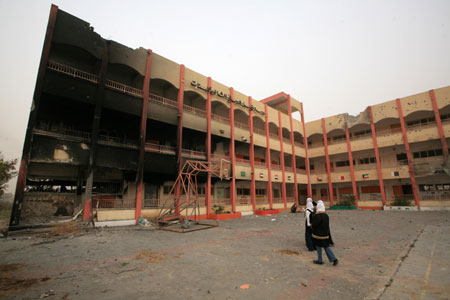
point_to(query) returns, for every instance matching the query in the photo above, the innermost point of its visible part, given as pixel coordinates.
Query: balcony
(128, 90)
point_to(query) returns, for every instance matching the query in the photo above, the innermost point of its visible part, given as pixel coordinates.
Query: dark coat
(321, 229)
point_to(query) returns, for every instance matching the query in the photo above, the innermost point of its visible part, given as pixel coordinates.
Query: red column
(305, 142)
(268, 160)
(252, 156)
(26, 151)
(208, 147)
(145, 94)
(439, 125)
(352, 170)
(294, 164)
(377, 156)
(327, 157)
(408, 154)
(232, 154)
(283, 183)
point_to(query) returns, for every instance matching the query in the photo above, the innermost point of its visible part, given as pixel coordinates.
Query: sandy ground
(256, 257)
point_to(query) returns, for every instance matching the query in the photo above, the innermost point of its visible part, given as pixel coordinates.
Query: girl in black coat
(321, 234)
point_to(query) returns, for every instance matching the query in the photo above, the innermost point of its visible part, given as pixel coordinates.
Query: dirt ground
(256, 257)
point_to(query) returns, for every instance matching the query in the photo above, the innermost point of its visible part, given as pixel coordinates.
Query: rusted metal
(175, 205)
(185, 230)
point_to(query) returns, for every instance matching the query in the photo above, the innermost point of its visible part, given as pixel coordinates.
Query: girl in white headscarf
(321, 234)
(309, 213)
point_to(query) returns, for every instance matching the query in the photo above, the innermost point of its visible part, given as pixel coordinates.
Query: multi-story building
(115, 125)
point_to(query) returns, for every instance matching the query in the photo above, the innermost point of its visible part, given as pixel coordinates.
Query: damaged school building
(115, 125)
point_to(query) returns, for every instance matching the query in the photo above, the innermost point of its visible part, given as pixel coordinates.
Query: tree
(7, 171)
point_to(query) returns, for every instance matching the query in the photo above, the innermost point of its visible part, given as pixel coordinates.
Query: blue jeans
(328, 252)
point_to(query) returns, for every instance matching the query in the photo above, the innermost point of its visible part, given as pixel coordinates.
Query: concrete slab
(424, 272)
(269, 257)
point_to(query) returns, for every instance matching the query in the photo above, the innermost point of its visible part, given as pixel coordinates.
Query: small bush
(401, 201)
(218, 209)
(349, 200)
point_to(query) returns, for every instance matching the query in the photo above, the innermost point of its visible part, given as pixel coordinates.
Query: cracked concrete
(251, 258)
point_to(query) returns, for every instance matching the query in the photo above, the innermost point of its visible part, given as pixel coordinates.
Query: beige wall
(165, 69)
(442, 97)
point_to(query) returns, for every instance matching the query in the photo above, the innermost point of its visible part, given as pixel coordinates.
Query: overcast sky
(334, 56)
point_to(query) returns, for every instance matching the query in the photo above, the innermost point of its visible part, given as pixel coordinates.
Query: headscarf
(320, 206)
(309, 204)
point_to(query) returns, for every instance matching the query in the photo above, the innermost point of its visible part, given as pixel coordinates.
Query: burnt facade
(115, 125)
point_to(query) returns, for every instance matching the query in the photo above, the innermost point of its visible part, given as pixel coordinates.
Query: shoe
(335, 262)
(318, 262)
(310, 250)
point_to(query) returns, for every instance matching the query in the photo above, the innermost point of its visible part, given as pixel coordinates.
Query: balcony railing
(115, 141)
(126, 89)
(241, 125)
(286, 140)
(260, 164)
(220, 119)
(194, 110)
(72, 72)
(164, 101)
(274, 136)
(421, 125)
(259, 131)
(365, 166)
(159, 148)
(276, 167)
(192, 153)
(298, 144)
(242, 161)
(64, 133)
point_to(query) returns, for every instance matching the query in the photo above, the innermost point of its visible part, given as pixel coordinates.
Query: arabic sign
(224, 96)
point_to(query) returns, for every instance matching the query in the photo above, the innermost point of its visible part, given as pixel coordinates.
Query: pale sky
(334, 56)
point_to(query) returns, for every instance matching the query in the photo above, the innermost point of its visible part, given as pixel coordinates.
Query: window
(201, 190)
(421, 121)
(166, 189)
(445, 117)
(339, 137)
(402, 156)
(260, 192)
(243, 192)
(368, 160)
(364, 132)
(343, 163)
(426, 187)
(427, 153)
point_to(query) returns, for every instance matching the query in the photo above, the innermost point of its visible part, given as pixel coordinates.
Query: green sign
(242, 174)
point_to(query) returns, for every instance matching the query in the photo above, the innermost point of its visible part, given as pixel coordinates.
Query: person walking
(321, 233)
(309, 213)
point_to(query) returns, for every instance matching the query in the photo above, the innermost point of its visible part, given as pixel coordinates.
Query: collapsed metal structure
(183, 204)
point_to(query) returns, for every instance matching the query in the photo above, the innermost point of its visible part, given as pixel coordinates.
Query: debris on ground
(151, 256)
